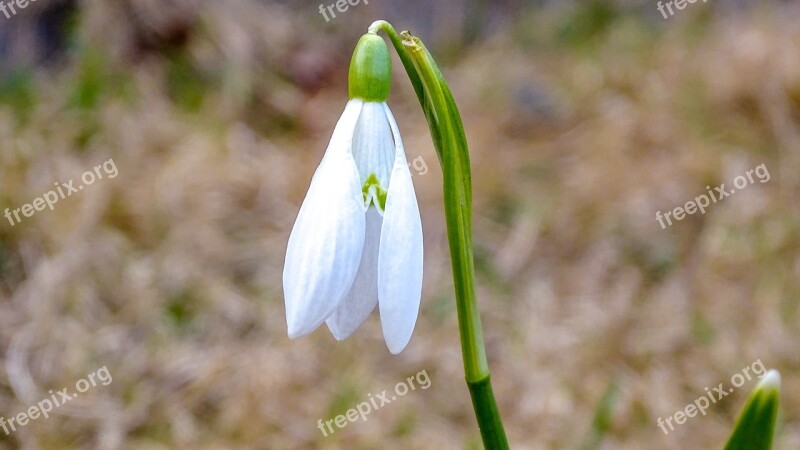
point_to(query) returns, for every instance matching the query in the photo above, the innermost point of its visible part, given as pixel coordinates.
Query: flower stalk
(449, 140)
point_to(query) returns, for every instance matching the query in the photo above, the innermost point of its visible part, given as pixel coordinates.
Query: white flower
(357, 241)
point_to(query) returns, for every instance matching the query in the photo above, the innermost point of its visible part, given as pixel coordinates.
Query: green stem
(450, 143)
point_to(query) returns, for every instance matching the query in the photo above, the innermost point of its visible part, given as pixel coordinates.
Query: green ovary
(372, 189)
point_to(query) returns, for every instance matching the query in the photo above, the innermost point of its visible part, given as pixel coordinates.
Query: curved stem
(450, 143)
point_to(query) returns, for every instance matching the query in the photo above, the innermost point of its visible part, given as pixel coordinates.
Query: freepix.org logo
(712, 396)
(663, 7)
(341, 5)
(10, 8)
(702, 201)
(363, 409)
(56, 400)
(62, 191)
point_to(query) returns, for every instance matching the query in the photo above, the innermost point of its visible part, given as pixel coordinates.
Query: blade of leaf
(756, 425)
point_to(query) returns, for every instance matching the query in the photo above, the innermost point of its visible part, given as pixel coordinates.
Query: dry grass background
(583, 122)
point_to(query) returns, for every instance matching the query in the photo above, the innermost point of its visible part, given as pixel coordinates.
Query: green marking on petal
(372, 190)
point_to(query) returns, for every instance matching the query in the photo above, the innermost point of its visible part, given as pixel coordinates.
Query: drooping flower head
(357, 240)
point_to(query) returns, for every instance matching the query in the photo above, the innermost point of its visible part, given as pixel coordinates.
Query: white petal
(325, 245)
(373, 146)
(342, 138)
(363, 295)
(400, 254)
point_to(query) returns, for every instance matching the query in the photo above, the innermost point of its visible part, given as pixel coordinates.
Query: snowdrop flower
(357, 240)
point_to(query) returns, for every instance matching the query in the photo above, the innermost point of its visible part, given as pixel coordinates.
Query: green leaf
(603, 415)
(756, 424)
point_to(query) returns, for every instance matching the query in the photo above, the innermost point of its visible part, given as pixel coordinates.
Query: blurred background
(584, 120)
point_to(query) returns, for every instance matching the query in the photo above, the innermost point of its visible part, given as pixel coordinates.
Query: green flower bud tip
(370, 69)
